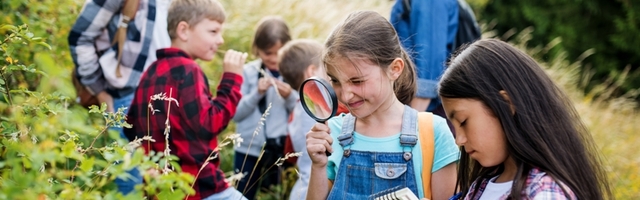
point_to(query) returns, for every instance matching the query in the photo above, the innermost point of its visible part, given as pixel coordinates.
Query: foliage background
(533, 26)
(609, 28)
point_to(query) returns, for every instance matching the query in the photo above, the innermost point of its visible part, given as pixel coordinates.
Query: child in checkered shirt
(196, 117)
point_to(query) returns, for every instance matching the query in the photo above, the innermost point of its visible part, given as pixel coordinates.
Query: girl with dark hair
(520, 136)
(374, 147)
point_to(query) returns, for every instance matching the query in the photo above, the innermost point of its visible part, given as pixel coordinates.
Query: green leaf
(8, 27)
(44, 44)
(108, 156)
(68, 148)
(87, 164)
(168, 194)
(26, 162)
(1, 81)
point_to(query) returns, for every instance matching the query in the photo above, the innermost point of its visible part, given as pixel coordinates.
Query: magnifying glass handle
(327, 153)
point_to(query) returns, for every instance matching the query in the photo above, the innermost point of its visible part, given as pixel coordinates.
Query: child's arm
(446, 155)
(319, 185)
(89, 26)
(318, 142)
(200, 109)
(443, 182)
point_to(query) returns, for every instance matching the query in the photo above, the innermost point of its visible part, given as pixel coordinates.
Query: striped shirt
(92, 34)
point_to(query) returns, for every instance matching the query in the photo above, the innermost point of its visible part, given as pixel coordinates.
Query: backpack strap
(468, 28)
(406, 13)
(128, 13)
(426, 137)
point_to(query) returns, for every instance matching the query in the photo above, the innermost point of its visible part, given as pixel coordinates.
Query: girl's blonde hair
(366, 34)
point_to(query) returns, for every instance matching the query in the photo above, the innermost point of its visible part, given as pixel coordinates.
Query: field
(613, 121)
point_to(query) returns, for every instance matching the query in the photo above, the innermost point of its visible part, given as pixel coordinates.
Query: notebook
(396, 194)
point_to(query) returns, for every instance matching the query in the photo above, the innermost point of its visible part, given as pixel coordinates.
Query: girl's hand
(263, 84)
(318, 142)
(284, 89)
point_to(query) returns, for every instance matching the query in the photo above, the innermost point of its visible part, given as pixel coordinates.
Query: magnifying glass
(318, 99)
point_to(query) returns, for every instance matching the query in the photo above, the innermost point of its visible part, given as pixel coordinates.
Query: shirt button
(407, 156)
(390, 172)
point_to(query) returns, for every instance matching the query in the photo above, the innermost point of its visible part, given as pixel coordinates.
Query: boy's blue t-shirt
(446, 151)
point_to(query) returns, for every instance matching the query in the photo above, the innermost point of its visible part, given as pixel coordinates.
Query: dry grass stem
(280, 161)
(233, 138)
(270, 77)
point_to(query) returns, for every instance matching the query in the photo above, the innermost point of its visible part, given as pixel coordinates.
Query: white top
(160, 33)
(495, 190)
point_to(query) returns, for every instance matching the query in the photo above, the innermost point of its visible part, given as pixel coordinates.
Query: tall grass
(613, 122)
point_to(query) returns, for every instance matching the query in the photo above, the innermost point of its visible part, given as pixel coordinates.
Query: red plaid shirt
(195, 122)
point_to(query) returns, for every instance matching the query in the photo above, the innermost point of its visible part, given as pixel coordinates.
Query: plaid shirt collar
(538, 184)
(171, 52)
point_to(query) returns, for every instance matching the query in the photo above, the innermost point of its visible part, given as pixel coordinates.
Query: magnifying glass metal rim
(332, 95)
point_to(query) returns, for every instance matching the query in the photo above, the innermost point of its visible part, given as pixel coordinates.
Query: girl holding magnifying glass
(374, 76)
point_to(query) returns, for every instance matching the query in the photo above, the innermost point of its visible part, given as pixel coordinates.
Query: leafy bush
(49, 150)
(611, 28)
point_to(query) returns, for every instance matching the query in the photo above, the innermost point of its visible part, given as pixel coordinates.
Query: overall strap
(348, 126)
(346, 137)
(408, 136)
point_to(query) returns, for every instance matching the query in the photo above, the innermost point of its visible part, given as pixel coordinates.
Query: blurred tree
(611, 28)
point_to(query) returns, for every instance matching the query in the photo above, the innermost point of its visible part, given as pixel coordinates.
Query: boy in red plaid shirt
(196, 119)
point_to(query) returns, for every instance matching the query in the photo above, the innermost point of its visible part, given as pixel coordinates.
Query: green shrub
(611, 28)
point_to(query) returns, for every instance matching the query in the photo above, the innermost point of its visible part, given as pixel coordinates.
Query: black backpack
(468, 29)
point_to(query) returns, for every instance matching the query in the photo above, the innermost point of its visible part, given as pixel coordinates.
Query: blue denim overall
(362, 174)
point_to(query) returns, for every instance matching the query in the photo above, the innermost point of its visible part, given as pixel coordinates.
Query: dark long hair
(545, 132)
(369, 35)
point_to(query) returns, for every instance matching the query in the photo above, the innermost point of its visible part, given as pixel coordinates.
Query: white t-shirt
(495, 190)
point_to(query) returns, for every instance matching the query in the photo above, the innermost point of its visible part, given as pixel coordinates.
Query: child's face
(204, 39)
(361, 85)
(270, 56)
(478, 130)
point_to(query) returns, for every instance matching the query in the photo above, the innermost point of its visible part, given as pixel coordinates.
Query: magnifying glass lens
(317, 100)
